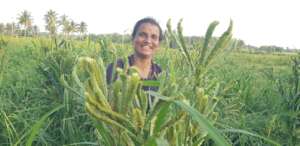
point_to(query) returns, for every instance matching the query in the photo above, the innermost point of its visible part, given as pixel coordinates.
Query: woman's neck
(143, 65)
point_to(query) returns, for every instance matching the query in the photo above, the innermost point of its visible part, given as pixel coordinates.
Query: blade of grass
(151, 83)
(38, 125)
(208, 37)
(82, 143)
(107, 137)
(197, 116)
(161, 119)
(220, 45)
(251, 134)
(183, 45)
(153, 141)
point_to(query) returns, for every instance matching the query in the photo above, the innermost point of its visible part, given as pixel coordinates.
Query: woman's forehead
(148, 26)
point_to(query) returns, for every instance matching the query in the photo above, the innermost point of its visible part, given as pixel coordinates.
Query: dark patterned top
(155, 70)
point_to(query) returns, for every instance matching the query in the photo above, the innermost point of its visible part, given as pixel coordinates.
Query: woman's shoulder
(120, 63)
(110, 69)
(156, 68)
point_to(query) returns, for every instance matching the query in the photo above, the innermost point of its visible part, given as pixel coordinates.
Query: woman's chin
(145, 54)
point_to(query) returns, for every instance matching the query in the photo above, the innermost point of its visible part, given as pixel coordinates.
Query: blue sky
(257, 22)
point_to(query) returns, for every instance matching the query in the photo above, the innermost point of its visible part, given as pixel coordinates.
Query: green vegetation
(212, 91)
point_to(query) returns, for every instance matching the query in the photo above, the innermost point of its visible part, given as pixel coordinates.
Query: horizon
(257, 23)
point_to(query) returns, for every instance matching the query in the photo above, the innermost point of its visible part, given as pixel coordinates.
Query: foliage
(135, 119)
(252, 99)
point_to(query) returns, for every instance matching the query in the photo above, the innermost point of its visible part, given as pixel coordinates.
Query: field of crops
(53, 92)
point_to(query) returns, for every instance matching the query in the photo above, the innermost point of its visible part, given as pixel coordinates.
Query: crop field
(53, 91)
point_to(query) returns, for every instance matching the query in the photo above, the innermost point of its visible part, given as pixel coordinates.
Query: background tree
(73, 27)
(64, 22)
(35, 30)
(2, 28)
(51, 22)
(69, 27)
(25, 20)
(17, 29)
(10, 28)
(82, 29)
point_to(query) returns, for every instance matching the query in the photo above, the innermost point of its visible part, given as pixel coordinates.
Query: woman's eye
(142, 34)
(154, 37)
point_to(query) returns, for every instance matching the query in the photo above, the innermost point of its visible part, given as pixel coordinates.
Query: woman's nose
(147, 40)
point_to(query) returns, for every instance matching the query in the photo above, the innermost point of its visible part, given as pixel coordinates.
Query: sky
(257, 22)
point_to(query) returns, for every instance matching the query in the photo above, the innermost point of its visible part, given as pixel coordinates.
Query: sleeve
(109, 72)
(111, 75)
(157, 69)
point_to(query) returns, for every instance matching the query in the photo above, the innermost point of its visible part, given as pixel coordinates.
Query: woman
(146, 37)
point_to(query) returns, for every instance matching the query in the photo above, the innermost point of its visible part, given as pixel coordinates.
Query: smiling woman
(146, 37)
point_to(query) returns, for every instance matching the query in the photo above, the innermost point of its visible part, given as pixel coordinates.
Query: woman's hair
(147, 20)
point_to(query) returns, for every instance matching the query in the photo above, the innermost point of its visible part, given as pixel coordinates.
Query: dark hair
(147, 20)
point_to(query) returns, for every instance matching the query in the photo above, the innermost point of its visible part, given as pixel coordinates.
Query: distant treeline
(197, 41)
(271, 48)
(192, 42)
(62, 26)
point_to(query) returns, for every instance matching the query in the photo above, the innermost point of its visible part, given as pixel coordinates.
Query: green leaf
(204, 123)
(105, 133)
(220, 45)
(182, 43)
(161, 142)
(161, 118)
(152, 83)
(251, 134)
(198, 117)
(152, 141)
(208, 37)
(38, 125)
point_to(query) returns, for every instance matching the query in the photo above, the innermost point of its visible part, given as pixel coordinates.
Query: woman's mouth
(146, 47)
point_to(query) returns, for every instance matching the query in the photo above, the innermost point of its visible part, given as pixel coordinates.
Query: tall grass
(251, 99)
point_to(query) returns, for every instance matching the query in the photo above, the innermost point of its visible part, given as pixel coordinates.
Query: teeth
(146, 47)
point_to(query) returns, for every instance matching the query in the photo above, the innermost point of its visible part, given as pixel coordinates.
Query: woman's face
(146, 40)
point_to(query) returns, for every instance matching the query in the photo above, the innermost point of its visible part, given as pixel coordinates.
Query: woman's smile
(146, 41)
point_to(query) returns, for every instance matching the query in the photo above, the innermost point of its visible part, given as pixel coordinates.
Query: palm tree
(68, 26)
(2, 28)
(9, 29)
(64, 22)
(17, 29)
(14, 28)
(51, 22)
(82, 29)
(35, 30)
(73, 27)
(25, 20)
